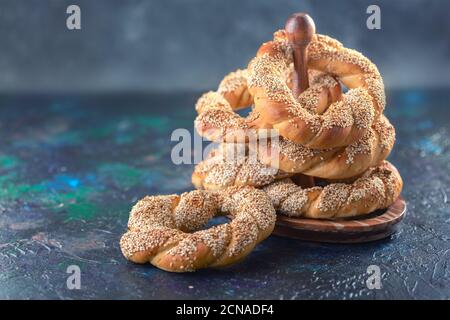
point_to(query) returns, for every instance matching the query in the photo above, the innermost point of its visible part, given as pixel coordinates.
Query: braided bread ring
(158, 228)
(334, 163)
(218, 121)
(220, 170)
(345, 121)
(376, 189)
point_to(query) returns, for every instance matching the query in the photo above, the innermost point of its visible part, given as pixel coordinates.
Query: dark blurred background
(189, 45)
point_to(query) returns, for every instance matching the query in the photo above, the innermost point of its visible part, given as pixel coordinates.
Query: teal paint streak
(122, 176)
(132, 128)
(8, 162)
(157, 123)
(124, 130)
(77, 197)
(62, 194)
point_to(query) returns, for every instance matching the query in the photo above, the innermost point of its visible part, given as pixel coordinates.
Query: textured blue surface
(71, 168)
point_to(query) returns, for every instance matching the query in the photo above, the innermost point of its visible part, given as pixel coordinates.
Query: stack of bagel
(330, 148)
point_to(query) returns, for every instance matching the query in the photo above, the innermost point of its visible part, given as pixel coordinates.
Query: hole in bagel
(216, 221)
(244, 112)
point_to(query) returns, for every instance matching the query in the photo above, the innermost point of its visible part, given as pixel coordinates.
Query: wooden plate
(374, 226)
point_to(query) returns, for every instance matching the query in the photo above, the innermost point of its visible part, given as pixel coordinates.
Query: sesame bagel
(345, 121)
(218, 121)
(230, 165)
(332, 163)
(161, 228)
(376, 189)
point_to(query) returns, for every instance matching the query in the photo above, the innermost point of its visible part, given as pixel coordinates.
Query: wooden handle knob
(300, 29)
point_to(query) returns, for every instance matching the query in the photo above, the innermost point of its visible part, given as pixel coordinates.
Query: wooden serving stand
(377, 225)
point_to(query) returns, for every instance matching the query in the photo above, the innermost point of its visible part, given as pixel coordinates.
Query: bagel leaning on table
(159, 228)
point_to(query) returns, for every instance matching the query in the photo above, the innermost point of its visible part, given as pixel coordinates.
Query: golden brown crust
(218, 121)
(376, 189)
(158, 228)
(325, 133)
(333, 163)
(230, 165)
(234, 89)
(275, 160)
(345, 121)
